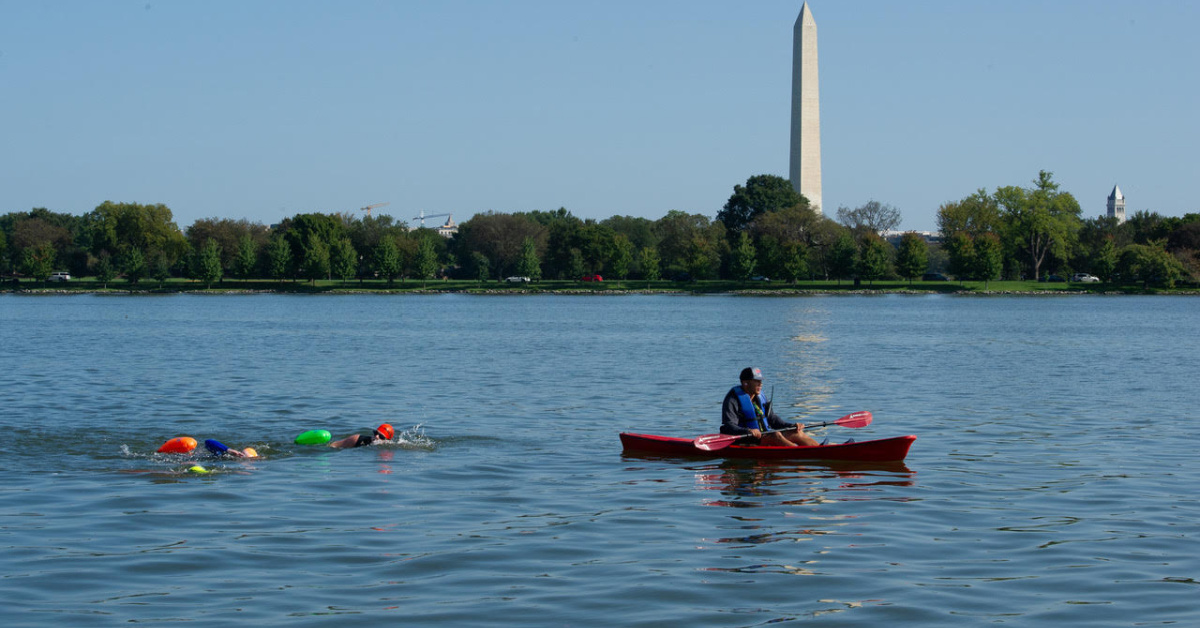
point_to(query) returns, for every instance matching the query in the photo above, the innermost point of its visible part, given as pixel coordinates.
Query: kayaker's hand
(755, 433)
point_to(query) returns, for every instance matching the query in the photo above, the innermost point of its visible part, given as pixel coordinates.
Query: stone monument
(805, 168)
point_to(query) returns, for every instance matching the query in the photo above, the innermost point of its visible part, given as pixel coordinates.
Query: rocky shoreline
(799, 292)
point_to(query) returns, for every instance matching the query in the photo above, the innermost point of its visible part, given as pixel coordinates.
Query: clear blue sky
(263, 109)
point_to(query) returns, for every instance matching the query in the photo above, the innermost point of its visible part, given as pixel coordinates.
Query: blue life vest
(749, 418)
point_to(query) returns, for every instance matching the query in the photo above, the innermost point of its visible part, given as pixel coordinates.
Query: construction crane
(368, 208)
(422, 216)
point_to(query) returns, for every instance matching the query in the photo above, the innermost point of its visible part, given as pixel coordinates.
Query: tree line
(765, 228)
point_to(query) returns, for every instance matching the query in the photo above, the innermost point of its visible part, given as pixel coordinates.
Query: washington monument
(805, 168)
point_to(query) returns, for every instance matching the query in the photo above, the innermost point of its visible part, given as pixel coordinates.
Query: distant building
(1116, 205)
(448, 229)
(893, 237)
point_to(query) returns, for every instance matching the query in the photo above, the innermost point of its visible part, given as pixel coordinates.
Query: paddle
(716, 442)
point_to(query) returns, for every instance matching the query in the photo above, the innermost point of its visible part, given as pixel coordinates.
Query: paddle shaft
(714, 442)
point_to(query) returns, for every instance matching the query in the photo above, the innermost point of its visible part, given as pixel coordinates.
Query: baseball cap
(751, 373)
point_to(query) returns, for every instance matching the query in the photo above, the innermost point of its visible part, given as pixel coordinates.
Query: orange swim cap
(386, 431)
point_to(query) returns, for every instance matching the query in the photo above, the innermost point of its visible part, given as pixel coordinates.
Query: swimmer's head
(385, 432)
(250, 453)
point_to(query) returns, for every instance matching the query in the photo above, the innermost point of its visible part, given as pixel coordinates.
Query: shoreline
(480, 291)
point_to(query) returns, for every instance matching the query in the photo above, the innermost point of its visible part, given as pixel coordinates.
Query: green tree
(38, 261)
(622, 258)
(762, 194)
(597, 244)
(105, 271)
(912, 258)
(304, 232)
(208, 263)
(279, 257)
(974, 215)
(639, 231)
(134, 264)
(40, 234)
(387, 259)
(770, 259)
(989, 258)
(427, 263)
(742, 262)
(316, 259)
(529, 265)
(1149, 263)
(1105, 262)
(344, 259)
(875, 258)
(776, 231)
(1148, 227)
(481, 265)
(703, 257)
(560, 230)
(497, 236)
(1041, 220)
(247, 257)
(690, 242)
(795, 261)
(575, 265)
(231, 236)
(118, 227)
(960, 251)
(649, 262)
(160, 268)
(842, 256)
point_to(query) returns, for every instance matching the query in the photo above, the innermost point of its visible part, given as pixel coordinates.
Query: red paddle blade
(862, 418)
(713, 442)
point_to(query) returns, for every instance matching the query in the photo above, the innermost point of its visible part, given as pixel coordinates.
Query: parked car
(934, 277)
(1084, 278)
(760, 278)
(63, 277)
(592, 278)
(515, 279)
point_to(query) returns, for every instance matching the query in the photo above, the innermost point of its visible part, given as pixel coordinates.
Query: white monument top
(1116, 194)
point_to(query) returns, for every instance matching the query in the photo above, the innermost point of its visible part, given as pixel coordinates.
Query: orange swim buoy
(178, 445)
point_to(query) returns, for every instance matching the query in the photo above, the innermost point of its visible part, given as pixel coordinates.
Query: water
(1053, 479)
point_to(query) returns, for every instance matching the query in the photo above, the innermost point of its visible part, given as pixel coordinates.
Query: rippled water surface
(1054, 479)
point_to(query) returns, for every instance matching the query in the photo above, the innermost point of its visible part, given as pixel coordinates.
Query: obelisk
(805, 168)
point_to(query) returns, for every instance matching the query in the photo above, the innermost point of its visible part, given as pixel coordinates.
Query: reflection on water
(741, 479)
(753, 484)
(809, 380)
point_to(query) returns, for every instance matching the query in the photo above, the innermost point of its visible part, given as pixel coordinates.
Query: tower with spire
(1116, 205)
(805, 167)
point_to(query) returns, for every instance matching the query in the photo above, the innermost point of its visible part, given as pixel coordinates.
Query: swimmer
(381, 433)
(217, 448)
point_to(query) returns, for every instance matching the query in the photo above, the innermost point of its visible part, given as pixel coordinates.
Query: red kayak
(880, 450)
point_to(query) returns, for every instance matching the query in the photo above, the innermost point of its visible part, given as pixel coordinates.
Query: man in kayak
(744, 411)
(381, 433)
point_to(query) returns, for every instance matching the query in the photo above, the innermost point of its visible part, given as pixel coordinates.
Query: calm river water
(1054, 479)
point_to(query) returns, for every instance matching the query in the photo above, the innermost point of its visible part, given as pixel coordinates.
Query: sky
(263, 109)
